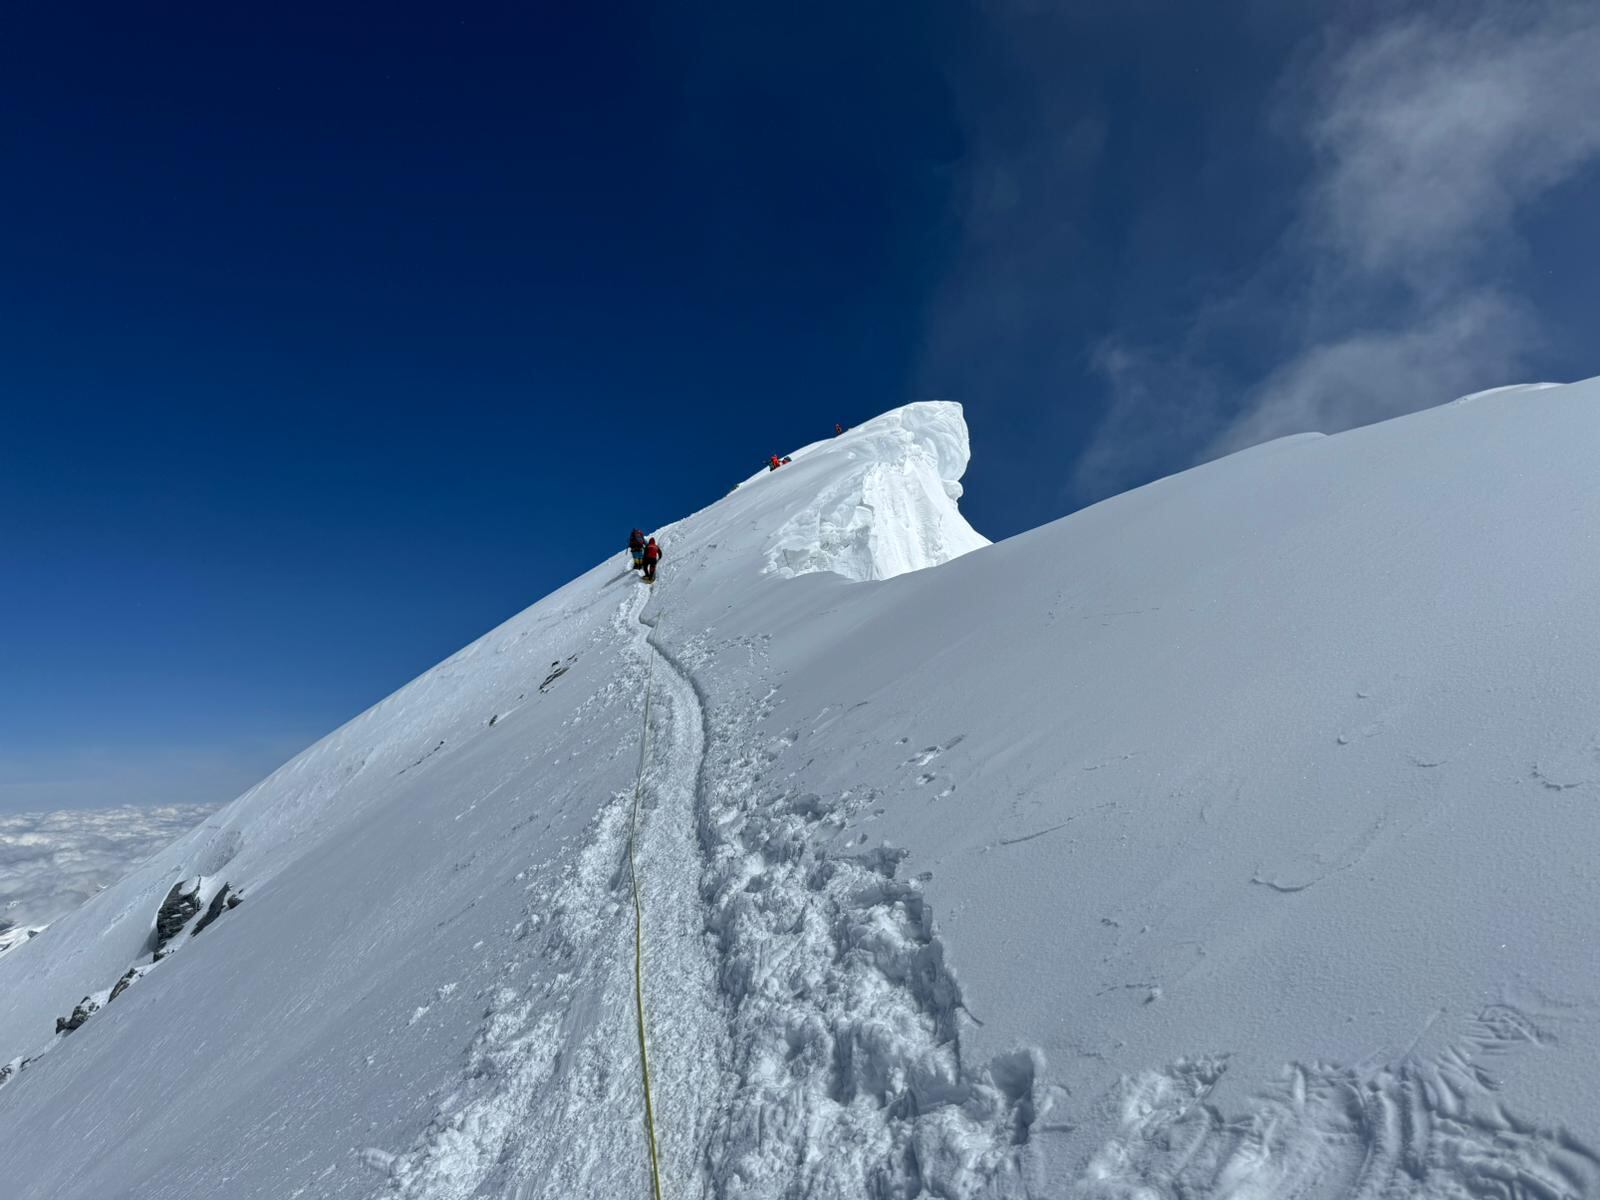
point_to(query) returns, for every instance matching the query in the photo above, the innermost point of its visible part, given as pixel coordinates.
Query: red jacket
(652, 552)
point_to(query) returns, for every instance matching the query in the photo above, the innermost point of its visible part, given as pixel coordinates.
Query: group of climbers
(646, 554)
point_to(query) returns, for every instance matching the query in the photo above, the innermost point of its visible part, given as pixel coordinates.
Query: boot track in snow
(802, 1027)
(840, 1041)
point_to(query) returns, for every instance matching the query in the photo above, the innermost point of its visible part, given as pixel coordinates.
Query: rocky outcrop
(86, 1009)
(182, 902)
(123, 984)
(225, 899)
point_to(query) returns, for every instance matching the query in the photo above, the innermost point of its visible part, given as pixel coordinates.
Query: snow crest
(889, 506)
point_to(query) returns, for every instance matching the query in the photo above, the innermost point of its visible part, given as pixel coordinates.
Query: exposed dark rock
(557, 670)
(175, 912)
(226, 898)
(423, 759)
(5, 1074)
(86, 1009)
(123, 983)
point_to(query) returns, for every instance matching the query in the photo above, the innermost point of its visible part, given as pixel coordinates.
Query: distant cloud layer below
(52, 862)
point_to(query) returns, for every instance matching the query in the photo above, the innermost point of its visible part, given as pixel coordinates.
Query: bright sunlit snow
(1230, 838)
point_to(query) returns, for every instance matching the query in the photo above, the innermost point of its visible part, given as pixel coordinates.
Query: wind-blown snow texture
(1231, 838)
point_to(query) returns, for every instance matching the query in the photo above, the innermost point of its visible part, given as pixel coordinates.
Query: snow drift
(1229, 838)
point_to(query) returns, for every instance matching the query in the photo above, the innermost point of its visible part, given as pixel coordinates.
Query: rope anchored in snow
(638, 936)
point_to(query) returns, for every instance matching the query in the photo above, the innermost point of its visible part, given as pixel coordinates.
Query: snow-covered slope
(12, 936)
(1230, 838)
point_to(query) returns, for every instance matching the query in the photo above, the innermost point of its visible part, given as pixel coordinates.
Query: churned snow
(1231, 838)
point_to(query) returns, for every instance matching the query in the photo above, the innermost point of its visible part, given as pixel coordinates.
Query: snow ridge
(1268, 838)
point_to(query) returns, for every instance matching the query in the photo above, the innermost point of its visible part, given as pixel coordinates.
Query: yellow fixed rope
(638, 937)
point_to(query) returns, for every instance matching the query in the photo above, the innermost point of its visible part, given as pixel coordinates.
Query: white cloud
(1430, 137)
(51, 862)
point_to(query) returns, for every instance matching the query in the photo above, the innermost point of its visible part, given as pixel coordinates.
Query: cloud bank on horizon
(56, 775)
(51, 862)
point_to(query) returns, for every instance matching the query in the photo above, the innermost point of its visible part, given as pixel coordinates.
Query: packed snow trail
(687, 1033)
(844, 1070)
(652, 1143)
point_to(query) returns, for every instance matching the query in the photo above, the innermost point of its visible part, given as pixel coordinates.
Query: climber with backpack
(652, 555)
(636, 548)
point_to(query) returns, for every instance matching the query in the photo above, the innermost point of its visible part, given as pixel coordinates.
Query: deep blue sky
(327, 343)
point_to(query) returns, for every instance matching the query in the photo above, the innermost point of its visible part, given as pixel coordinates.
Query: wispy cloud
(52, 862)
(1444, 349)
(1429, 139)
(1433, 133)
